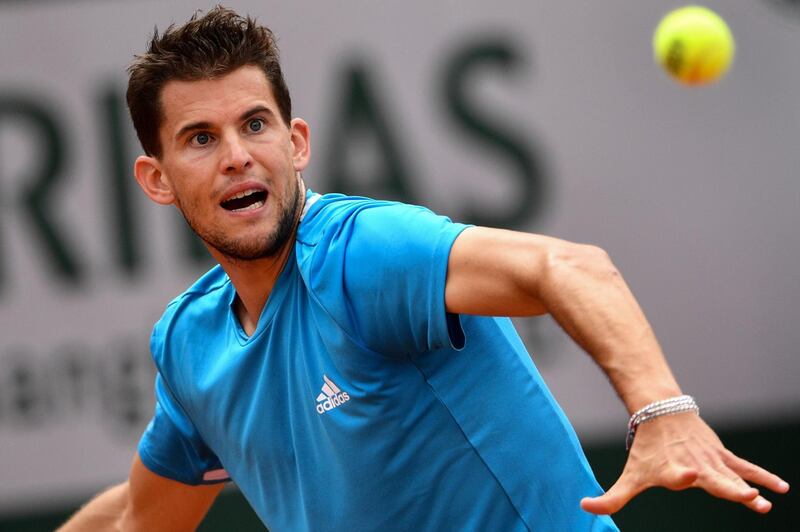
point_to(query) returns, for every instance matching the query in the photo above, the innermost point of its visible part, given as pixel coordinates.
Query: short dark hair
(206, 47)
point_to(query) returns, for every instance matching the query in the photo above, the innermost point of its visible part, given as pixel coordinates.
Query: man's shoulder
(208, 286)
(325, 210)
(204, 297)
(327, 213)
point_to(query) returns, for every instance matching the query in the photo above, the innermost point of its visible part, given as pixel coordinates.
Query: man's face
(230, 162)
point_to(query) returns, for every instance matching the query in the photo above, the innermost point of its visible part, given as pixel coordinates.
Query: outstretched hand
(679, 452)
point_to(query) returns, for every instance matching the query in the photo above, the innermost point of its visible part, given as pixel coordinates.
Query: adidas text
(332, 402)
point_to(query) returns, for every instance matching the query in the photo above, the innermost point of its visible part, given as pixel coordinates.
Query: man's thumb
(611, 501)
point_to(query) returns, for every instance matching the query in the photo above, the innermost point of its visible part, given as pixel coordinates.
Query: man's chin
(250, 243)
(247, 253)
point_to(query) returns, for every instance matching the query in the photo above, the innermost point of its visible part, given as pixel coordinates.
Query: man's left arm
(505, 273)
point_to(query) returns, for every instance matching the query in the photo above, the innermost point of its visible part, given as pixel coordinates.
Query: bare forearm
(587, 296)
(505, 273)
(104, 512)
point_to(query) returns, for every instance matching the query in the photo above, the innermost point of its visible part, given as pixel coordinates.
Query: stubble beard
(261, 248)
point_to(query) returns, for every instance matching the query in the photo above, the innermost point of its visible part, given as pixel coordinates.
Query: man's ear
(301, 143)
(150, 177)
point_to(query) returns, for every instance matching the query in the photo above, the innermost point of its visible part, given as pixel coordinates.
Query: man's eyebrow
(192, 127)
(255, 110)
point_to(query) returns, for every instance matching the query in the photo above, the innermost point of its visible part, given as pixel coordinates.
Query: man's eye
(255, 125)
(202, 139)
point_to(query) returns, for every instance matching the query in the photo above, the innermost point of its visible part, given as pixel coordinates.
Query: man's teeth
(243, 194)
(250, 207)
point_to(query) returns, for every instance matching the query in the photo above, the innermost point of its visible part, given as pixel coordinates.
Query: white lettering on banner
(112, 385)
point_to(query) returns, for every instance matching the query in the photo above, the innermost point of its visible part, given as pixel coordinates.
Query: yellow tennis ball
(694, 45)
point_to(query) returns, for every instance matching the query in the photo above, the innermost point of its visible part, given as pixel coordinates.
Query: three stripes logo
(331, 396)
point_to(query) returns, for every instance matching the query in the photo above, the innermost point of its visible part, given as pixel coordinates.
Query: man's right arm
(147, 501)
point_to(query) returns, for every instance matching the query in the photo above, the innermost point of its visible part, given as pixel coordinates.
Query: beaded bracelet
(665, 407)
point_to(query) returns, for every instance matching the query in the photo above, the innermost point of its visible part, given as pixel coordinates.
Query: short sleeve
(387, 266)
(172, 447)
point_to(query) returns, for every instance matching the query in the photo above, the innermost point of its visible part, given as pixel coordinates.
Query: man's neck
(254, 280)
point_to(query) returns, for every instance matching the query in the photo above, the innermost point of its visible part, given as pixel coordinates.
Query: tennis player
(342, 364)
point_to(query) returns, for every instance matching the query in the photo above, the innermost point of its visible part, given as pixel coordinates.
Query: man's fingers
(754, 473)
(759, 504)
(726, 484)
(614, 499)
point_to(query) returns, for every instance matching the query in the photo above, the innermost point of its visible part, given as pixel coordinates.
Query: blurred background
(544, 116)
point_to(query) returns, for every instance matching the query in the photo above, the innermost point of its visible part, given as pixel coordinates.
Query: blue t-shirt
(359, 403)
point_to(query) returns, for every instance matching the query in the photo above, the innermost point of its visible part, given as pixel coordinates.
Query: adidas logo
(331, 396)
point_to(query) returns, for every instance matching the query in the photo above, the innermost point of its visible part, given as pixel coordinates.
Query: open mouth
(245, 201)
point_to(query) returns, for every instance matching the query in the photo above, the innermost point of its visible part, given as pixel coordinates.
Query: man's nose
(235, 156)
